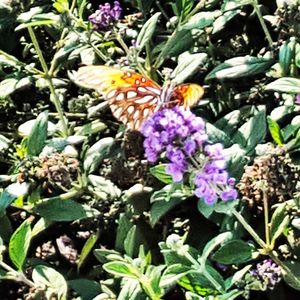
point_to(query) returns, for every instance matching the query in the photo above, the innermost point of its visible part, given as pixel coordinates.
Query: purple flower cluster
(213, 180)
(105, 15)
(268, 273)
(177, 132)
(182, 137)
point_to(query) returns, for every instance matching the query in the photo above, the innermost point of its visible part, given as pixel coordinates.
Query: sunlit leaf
(19, 244)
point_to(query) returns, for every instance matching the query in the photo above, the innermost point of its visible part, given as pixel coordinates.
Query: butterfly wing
(131, 96)
(187, 94)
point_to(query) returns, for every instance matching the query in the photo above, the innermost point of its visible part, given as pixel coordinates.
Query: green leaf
(61, 5)
(231, 295)
(233, 4)
(19, 244)
(6, 229)
(226, 256)
(63, 210)
(38, 135)
(220, 23)
(239, 67)
(181, 8)
(204, 209)
(193, 296)
(95, 155)
(180, 41)
(285, 85)
(28, 15)
(4, 143)
(90, 128)
(253, 131)
(289, 130)
(225, 207)
(285, 57)
(11, 85)
(9, 60)
(121, 269)
(154, 275)
(49, 22)
(292, 275)
(124, 225)
(164, 200)
(275, 131)
(200, 20)
(131, 290)
(86, 289)
(297, 55)
(131, 243)
(216, 135)
(173, 273)
(159, 172)
(160, 208)
(187, 65)
(282, 112)
(105, 255)
(279, 222)
(147, 31)
(87, 248)
(196, 281)
(40, 226)
(54, 281)
(214, 243)
(237, 277)
(5, 200)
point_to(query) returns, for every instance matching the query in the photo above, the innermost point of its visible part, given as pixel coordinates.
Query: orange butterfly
(133, 97)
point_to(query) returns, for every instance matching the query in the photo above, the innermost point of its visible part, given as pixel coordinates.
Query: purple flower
(268, 273)
(177, 132)
(105, 16)
(189, 147)
(181, 136)
(229, 194)
(175, 171)
(297, 100)
(116, 10)
(213, 180)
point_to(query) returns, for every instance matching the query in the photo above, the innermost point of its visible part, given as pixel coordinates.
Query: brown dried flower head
(275, 173)
(57, 170)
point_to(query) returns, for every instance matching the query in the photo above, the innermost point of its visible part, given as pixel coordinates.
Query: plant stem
(266, 217)
(262, 22)
(10, 57)
(18, 276)
(63, 35)
(271, 253)
(50, 82)
(217, 286)
(249, 229)
(122, 43)
(284, 267)
(66, 196)
(196, 9)
(157, 2)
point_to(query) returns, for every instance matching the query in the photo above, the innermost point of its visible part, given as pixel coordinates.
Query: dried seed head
(57, 169)
(274, 173)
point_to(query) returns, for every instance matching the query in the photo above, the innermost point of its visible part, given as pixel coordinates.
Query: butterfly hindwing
(187, 94)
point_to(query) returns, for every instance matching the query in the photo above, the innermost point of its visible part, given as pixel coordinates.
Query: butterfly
(133, 97)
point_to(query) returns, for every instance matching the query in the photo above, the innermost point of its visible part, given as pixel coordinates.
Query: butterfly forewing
(131, 96)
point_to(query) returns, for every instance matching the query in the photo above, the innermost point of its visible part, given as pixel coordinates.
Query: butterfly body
(131, 96)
